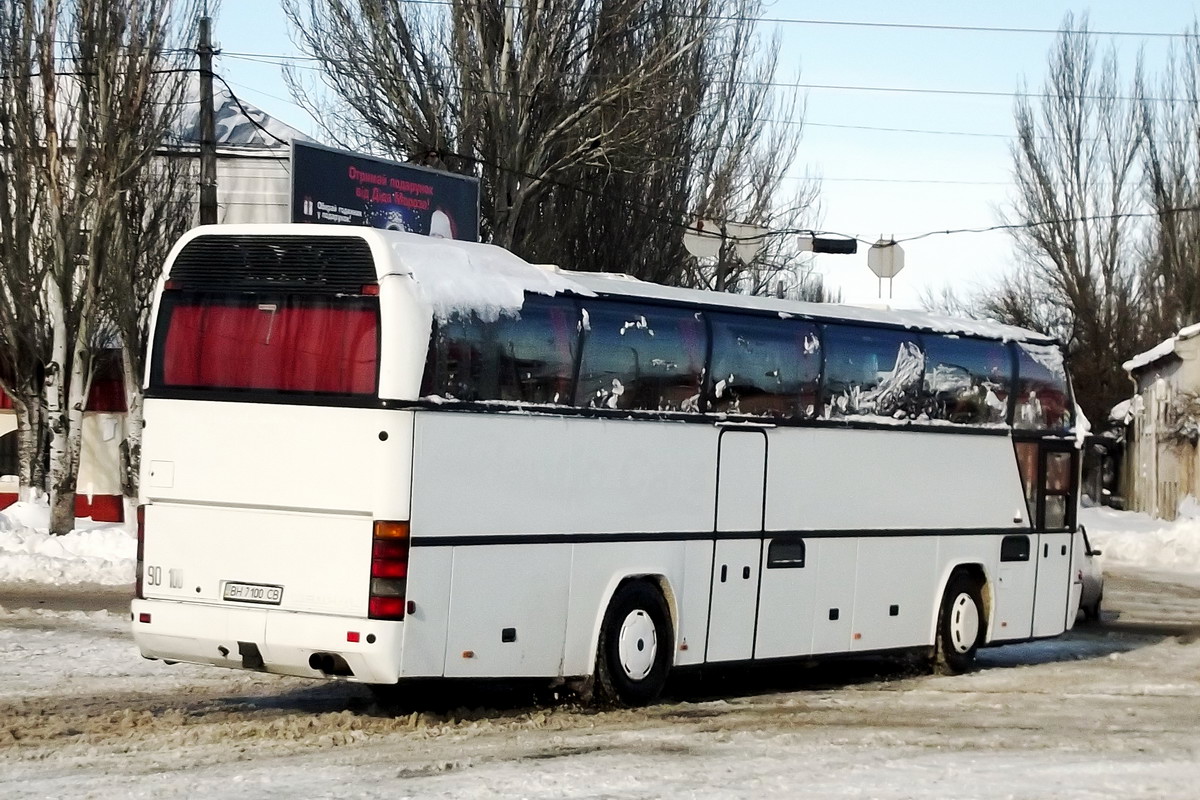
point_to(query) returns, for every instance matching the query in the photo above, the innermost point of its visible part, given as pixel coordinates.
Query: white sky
(874, 182)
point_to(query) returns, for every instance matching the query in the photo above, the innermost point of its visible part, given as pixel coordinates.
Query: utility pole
(208, 134)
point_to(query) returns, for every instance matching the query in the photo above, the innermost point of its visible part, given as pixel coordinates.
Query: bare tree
(1074, 165)
(1171, 122)
(24, 335)
(595, 126)
(100, 98)
(158, 208)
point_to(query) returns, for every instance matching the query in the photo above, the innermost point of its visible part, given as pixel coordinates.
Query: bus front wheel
(961, 625)
(635, 647)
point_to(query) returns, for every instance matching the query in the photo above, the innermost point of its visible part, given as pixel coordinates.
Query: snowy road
(1107, 711)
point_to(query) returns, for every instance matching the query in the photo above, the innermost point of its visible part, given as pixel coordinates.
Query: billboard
(338, 187)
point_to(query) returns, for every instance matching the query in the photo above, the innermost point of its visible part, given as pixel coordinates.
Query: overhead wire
(891, 25)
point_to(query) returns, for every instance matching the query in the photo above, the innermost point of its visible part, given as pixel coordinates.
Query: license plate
(253, 593)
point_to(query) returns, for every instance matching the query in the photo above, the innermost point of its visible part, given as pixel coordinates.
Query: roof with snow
(238, 124)
(1161, 350)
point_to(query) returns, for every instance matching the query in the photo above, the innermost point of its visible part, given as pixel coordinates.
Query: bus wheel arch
(635, 645)
(962, 620)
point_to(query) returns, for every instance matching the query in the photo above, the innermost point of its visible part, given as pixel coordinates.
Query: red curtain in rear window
(274, 346)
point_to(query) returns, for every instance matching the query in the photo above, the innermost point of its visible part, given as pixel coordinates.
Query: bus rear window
(278, 343)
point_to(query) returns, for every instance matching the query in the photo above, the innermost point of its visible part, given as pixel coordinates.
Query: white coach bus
(375, 456)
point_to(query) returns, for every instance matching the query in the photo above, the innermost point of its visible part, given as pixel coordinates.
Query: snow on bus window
(967, 381)
(872, 372)
(1043, 398)
(527, 358)
(764, 367)
(641, 357)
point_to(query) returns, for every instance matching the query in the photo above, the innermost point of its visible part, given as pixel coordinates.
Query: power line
(917, 180)
(896, 25)
(283, 60)
(1165, 212)
(246, 113)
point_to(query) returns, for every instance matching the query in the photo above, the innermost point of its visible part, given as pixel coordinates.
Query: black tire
(962, 624)
(1092, 613)
(636, 643)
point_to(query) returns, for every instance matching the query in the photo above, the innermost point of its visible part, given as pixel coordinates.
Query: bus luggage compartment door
(741, 483)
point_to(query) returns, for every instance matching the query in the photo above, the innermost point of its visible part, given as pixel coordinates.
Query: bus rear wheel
(961, 625)
(636, 642)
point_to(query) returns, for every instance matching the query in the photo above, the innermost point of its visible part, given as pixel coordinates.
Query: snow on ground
(1136, 540)
(94, 553)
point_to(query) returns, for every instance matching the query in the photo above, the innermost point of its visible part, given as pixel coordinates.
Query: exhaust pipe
(330, 664)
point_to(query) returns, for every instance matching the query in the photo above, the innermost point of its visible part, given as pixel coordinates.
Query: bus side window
(536, 352)
(872, 371)
(641, 357)
(967, 381)
(1059, 489)
(1043, 396)
(1027, 464)
(527, 358)
(764, 367)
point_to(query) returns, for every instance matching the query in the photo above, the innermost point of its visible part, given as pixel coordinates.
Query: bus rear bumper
(269, 640)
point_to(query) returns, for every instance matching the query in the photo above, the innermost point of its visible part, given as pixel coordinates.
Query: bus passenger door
(741, 484)
(1049, 471)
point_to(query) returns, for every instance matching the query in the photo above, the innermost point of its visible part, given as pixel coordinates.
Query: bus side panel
(542, 477)
(863, 479)
(833, 601)
(516, 474)
(508, 610)
(895, 591)
(786, 599)
(429, 577)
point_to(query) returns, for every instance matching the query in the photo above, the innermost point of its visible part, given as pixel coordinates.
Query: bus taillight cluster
(389, 570)
(138, 591)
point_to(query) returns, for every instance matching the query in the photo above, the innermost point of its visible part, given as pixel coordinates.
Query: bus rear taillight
(141, 552)
(389, 570)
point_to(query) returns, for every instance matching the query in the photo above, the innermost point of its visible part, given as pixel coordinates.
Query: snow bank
(1139, 540)
(93, 553)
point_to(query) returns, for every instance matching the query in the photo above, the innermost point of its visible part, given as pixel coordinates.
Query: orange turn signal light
(391, 529)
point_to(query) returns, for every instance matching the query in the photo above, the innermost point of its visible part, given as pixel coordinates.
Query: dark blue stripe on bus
(474, 540)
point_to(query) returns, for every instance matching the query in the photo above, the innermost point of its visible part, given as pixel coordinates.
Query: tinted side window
(763, 366)
(872, 371)
(967, 380)
(641, 357)
(1043, 399)
(529, 358)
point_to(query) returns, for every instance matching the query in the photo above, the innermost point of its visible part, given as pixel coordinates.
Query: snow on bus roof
(465, 276)
(617, 284)
(455, 276)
